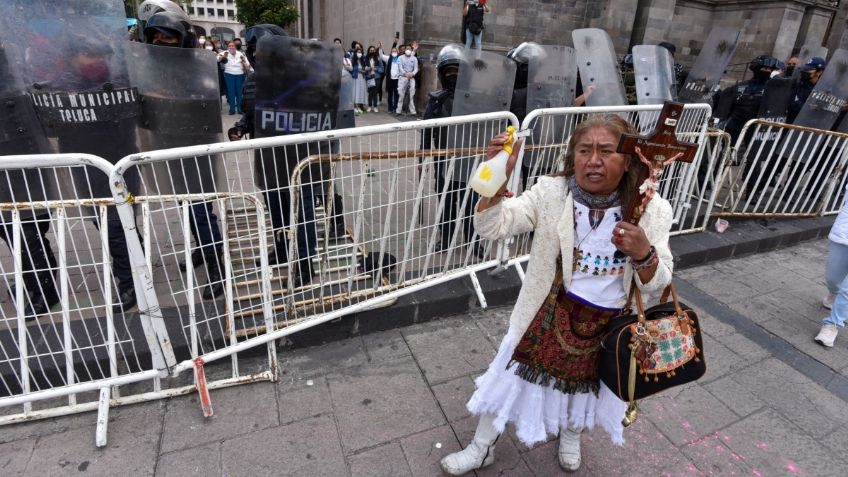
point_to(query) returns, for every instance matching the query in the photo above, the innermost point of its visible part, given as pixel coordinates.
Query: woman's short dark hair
(617, 126)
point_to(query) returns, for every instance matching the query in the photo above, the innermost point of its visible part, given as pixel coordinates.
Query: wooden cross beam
(656, 151)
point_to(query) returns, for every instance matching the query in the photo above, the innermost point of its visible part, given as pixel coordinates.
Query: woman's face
(597, 167)
(371, 51)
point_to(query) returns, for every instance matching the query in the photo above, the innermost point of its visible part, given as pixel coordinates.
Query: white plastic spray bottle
(491, 175)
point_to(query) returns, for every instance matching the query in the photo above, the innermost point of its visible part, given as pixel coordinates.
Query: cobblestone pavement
(392, 403)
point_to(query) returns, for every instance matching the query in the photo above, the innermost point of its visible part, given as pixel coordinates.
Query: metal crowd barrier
(385, 217)
(782, 170)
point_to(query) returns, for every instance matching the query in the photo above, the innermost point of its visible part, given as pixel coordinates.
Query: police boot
(479, 453)
(569, 448)
(215, 284)
(196, 259)
(126, 297)
(41, 293)
(303, 274)
(278, 256)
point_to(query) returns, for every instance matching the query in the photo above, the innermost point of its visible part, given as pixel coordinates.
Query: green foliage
(277, 12)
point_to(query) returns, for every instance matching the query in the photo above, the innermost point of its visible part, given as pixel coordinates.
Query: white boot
(479, 453)
(569, 449)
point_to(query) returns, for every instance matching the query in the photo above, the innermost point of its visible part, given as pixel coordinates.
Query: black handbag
(652, 350)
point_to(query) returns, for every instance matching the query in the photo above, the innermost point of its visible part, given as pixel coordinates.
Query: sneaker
(827, 335)
(827, 301)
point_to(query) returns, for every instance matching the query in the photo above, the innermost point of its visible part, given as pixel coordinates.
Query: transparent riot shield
(298, 85)
(776, 97)
(180, 106)
(829, 95)
(20, 133)
(71, 56)
(703, 79)
(346, 116)
(653, 68)
(808, 52)
(484, 83)
(552, 78)
(598, 68)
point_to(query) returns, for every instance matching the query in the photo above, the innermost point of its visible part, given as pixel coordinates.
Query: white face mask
(359, 55)
(394, 55)
(208, 47)
(232, 51)
(408, 52)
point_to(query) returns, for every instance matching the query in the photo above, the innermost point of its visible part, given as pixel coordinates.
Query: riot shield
(776, 98)
(808, 52)
(20, 133)
(552, 78)
(298, 86)
(346, 116)
(598, 67)
(653, 68)
(72, 57)
(180, 106)
(829, 95)
(703, 79)
(484, 83)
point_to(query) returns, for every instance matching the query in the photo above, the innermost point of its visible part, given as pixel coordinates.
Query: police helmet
(254, 33)
(764, 61)
(148, 8)
(171, 24)
(449, 55)
(522, 54)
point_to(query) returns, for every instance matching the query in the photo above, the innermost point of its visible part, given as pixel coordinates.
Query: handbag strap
(640, 305)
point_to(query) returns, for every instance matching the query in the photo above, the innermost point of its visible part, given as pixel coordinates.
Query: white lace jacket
(548, 210)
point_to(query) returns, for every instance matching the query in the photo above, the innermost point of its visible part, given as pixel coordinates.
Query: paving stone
(200, 461)
(719, 359)
(508, 459)
(149, 412)
(773, 446)
(132, 449)
(15, 455)
(787, 391)
(749, 351)
(305, 448)
(385, 346)
(712, 457)
(298, 398)
(318, 360)
(237, 410)
(424, 450)
(453, 395)
(800, 334)
(735, 396)
(837, 441)
(493, 322)
(711, 326)
(543, 461)
(376, 404)
(383, 461)
(646, 451)
(446, 352)
(760, 309)
(682, 418)
(725, 290)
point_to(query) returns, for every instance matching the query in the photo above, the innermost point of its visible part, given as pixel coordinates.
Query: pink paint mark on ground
(685, 424)
(757, 473)
(791, 467)
(762, 446)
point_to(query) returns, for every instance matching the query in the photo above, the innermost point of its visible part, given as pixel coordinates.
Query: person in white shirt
(235, 67)
(407, 69)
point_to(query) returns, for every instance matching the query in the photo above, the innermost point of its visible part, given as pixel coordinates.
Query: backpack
(474, 21)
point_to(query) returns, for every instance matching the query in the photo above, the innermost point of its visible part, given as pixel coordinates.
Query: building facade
(215, 18)
(778, 28)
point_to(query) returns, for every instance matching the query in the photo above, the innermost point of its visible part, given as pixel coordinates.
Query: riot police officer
(810, 74)
(169, 29)
(440, 105)
(749, 94)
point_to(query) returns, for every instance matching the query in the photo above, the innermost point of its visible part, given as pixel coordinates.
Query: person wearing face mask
(407, 69)
(357, 67)
(374, 69)
(235, 67)
(391, 62)
(749, 94)
(810, 74)
(791, 64)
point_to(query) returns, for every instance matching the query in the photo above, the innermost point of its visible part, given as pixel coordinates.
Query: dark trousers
(392, 89)
(373, 92)
(204, 228)
(121, 268)
(380, 87)
(279, 205)
(38, 260)
(454, 209)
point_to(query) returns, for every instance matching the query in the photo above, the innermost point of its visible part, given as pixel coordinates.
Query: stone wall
(366, 21)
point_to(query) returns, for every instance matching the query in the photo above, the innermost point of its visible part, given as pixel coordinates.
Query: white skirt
(360, 90)
(538, 411)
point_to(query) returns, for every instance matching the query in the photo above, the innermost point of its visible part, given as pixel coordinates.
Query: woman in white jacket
(544, 378)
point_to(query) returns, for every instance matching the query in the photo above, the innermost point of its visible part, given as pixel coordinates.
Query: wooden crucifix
(659, 148)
